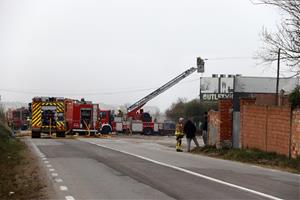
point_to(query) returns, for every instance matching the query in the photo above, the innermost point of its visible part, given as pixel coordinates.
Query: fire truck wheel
(106, 129)
(148, 131)
(35, 134)
(60, 134)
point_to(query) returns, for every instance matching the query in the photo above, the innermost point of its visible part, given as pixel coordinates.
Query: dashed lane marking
(54, 174)
(69, 198)
(63, 188)
(58, 180)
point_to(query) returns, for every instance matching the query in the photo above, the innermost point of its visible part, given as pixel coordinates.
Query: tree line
(194, 109)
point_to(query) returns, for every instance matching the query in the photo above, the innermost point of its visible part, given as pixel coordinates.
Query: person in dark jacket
(190, 131)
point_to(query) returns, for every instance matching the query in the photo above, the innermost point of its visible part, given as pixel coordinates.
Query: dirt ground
(23, 178)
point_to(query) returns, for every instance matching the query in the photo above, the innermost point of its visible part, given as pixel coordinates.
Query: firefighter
(179, 134)
(120, 113)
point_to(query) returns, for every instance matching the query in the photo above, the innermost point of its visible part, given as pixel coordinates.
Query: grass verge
(19, 177)
(253, 156)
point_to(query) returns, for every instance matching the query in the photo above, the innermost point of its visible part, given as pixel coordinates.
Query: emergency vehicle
(138, 121)
(48, 116)
(18, 118)
(81, 116)
(107, 123)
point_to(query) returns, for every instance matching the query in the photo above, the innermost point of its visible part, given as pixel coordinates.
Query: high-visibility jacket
(179, 130)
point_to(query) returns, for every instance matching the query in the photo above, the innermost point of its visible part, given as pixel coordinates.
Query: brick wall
(266, 128)
(266, 99)
(295, 137)
(278, 130)
(225, 113)
(220, 123)
(270, 99)
(253, 129)
(244, 101)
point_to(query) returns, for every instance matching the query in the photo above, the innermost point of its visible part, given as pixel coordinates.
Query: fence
(271, 129)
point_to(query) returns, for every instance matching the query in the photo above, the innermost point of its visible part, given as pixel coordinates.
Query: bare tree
(287, 37)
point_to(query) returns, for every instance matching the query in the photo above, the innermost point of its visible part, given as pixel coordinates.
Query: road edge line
(192, 173)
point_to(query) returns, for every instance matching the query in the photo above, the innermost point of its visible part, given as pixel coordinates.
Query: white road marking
(63, 188)
(193, 173)
(37, 150)
(42, 155)
(58, 180)
(54, 174)
(69, 198)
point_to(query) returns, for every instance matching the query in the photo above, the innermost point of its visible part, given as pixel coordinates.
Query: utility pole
(277, 80)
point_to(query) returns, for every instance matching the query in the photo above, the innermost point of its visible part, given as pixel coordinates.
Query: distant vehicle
(18, 119)
(168, 127)
(48, 116)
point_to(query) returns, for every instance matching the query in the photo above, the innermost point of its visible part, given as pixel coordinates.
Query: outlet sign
(215, 96)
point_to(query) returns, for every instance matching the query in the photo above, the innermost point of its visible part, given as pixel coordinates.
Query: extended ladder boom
(160, 90)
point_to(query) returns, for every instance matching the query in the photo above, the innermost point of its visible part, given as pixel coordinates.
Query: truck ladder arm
(161, 89)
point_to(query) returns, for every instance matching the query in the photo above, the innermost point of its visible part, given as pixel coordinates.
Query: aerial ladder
(131, 110)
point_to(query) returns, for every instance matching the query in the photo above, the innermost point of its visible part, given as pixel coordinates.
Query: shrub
(294, 97)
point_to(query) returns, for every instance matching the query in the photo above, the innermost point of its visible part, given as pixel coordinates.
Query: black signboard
(215, 96)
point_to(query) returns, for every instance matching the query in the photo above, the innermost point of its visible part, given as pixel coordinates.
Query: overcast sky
(117, 51)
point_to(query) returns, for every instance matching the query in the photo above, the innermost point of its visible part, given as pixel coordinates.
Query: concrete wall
(236, 130)
(213, 127)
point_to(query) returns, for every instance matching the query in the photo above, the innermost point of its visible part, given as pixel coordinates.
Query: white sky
(107, 50)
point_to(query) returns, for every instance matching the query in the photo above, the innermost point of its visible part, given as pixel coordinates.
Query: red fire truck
(107, 121)
(47, 116)
(138, 121)
(81, 116)
(18, 118)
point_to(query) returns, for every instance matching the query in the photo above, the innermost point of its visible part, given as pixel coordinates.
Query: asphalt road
(119, 168)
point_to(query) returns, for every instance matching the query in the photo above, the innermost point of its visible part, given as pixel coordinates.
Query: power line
(88, 93)
(229, 58)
